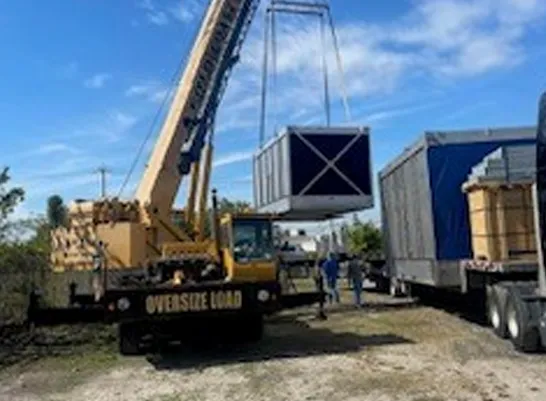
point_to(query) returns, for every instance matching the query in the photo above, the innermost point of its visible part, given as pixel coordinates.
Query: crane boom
(131, 233)
(196, 99)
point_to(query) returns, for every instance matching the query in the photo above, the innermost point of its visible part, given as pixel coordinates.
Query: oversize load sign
(194, 302)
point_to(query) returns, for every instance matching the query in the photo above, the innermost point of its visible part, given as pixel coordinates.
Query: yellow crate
(501, 220)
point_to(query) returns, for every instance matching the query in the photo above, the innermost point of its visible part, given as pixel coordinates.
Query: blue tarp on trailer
(449, 166)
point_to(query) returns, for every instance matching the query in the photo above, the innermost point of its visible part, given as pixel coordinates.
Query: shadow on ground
(468, 307)
(284, 338)
(372, 307)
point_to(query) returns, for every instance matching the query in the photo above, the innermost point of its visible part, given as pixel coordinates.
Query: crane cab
(247, 247)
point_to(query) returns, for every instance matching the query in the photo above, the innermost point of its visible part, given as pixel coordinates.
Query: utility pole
(102, 171)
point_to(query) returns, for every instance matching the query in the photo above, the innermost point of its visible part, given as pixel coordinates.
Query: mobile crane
(149, 275)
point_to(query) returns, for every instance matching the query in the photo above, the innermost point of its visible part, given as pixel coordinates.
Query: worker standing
(330, 268)
(354, 273)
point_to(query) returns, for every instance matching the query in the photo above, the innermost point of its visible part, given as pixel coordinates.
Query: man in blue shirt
(330, 267)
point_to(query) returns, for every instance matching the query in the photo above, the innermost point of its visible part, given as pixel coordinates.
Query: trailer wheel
(128, 339)
(522, 333)
(394, 289)
(496, 300)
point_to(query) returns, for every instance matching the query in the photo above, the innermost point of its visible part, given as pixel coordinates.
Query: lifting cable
(172, 84)
(265, 63)
(325, 70)
(270, 36)
(344, 95)
(274, 72)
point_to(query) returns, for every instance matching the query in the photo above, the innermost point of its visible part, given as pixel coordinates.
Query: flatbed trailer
(152, 315)
(426, 248)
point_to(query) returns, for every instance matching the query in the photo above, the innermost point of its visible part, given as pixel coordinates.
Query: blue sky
(82, 81)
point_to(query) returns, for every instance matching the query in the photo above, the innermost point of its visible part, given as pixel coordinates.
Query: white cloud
(231, 158)
(158, 14)
(71, 177)
(123, 120)
(97, 81)
(110, 126)
(186, 10)
(151, 90)
(49, 148)
(390, 114)
(443, 39)
(153, 14)
(464, 38)
(158, 18)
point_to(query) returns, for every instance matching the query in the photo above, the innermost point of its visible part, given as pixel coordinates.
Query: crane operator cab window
(252, 241)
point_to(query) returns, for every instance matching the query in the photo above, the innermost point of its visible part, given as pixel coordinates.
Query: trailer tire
(496, 316)
(522, 332)
(395, 288)
(128, 339)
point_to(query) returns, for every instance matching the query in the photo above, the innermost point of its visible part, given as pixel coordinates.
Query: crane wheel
(129, 339)
(522, 332)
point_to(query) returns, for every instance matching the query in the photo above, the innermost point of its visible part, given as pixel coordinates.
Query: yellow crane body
(151, 275)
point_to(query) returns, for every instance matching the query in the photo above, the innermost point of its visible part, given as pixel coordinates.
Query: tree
(364, 237)
(238, 206)
(9, 199)
(37, 230)
(23, 259)
(56, 211)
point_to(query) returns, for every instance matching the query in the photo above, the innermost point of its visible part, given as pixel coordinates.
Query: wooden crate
(501, 220)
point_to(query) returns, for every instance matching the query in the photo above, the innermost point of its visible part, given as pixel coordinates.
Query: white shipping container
(314, 172)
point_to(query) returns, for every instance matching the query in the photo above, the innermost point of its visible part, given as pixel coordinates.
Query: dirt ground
(389, 350)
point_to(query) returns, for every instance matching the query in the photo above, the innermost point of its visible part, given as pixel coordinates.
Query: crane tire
(128, 339)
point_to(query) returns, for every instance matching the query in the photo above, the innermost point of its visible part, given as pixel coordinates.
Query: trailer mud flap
(291, 301)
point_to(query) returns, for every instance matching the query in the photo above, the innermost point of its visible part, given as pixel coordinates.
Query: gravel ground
(390, 350)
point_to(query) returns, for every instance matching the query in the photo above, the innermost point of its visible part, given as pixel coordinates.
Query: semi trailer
(464, 212)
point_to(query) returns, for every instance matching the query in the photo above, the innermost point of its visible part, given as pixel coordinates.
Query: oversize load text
(194, 302)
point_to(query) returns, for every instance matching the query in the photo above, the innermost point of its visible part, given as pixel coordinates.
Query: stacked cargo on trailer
(444, 229)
